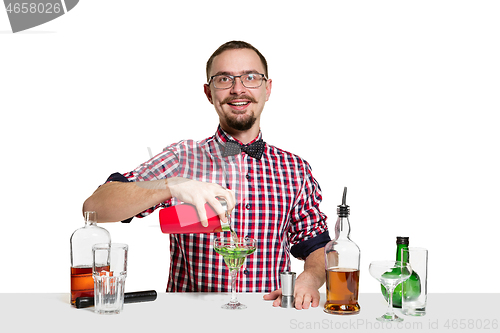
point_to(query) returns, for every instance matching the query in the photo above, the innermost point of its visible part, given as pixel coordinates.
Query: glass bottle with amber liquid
(81, 242)
(342, 257)
(411, 285)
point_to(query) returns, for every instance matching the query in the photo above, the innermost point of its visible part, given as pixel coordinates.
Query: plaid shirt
(277, 202)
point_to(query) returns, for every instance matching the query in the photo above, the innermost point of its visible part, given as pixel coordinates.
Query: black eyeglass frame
(233, 77)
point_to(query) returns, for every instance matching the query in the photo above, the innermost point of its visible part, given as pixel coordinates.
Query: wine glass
(234, 252)
(390, 273)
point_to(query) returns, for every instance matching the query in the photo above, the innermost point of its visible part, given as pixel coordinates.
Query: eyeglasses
(227, 81)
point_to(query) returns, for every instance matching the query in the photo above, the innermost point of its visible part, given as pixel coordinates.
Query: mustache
(232, 98)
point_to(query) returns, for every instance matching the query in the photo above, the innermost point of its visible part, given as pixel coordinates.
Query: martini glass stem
(390, 309)
(234, 275)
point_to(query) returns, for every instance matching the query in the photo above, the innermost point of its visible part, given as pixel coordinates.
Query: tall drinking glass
(414, 303)
(390, 273)
(234, 252)
(109, 270)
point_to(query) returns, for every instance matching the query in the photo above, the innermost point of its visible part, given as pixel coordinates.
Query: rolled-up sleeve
(308, 231)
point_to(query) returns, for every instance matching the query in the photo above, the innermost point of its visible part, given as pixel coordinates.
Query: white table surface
(200, 312)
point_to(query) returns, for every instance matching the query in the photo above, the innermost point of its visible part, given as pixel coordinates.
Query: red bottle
(183, 219)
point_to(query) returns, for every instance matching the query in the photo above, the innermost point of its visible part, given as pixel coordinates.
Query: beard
(241, 124)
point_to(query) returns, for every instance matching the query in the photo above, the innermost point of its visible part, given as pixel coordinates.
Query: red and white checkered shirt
(277, 202)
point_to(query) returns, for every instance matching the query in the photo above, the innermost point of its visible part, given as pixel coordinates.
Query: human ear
(269, 84)
(208, 93)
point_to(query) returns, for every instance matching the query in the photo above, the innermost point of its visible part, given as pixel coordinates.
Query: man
(271, 193)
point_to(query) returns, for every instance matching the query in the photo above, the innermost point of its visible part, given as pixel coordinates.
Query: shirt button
(247, 206)
(247, 176)
(245, 271)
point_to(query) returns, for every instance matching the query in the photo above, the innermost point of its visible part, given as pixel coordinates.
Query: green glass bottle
(412, 285)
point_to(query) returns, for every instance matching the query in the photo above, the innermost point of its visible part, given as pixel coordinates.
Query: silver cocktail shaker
(287, 289)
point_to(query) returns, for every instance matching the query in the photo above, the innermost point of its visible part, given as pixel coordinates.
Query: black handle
(133, 297)
(140, 296)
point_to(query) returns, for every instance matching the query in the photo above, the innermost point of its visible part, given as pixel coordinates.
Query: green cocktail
(235, 256)
(234, 252)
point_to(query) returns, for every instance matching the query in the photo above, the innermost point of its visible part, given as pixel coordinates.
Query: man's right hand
(198, 193)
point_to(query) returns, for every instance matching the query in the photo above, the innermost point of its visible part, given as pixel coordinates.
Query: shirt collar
(222, 137)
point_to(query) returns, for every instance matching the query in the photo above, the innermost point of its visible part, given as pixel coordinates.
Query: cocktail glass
(234, 252)
(390, 273)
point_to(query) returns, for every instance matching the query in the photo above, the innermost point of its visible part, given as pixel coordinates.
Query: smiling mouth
(239, 103)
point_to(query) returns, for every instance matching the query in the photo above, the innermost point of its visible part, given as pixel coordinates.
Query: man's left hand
(307, 283)
(305, 296)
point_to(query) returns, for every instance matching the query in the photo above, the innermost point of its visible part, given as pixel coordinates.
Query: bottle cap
(287, 289)
(343, 210)
(402, 240)
(225, 225)
(90, 217)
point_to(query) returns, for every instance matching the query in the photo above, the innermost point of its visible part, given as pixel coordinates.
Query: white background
(397, 100)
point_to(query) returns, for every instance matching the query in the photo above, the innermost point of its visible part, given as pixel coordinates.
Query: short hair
(233, 45)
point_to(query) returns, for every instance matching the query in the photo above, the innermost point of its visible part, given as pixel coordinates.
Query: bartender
(278, 197)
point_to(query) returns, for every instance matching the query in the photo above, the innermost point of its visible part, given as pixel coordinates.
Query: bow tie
(254, 150)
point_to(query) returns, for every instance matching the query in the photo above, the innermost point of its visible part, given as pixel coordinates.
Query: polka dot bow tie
(254, 150)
